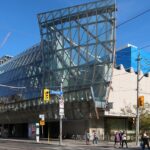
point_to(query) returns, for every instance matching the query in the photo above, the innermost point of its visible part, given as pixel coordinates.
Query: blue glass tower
(128, 58)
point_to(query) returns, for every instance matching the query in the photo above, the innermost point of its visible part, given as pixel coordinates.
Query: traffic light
(46, 95)
(141, 101)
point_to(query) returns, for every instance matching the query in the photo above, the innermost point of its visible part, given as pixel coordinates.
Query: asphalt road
(26, 145)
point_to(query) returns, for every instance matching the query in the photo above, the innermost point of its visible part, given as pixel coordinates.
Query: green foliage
(145, 117)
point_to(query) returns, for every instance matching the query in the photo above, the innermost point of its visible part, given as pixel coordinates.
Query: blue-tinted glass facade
(24, 70)
(77, 46)
(128, 58)
(123, 57)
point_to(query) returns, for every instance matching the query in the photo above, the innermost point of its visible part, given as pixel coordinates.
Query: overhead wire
(125, 22)
(140, 14)
(143, 47)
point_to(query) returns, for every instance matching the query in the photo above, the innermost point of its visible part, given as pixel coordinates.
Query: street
(6, 144)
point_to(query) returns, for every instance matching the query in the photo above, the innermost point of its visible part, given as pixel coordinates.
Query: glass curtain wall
(21, 71)
(78, 46)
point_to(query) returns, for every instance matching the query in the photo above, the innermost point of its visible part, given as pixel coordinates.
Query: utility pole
(137, 108)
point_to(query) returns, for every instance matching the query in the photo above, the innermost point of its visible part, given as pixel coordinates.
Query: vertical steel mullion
(87, 43)
(106, 27)
(52, 55)
(96, 34)
(45, 51)
(42, 47)
(78, 38)
(114, 36)
(96, 40)
(70, 51)
(106, 22)
(70, 36)
(113, 31)
(87, 46)
(62, 40)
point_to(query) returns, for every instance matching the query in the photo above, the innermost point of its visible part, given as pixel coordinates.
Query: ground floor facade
(19, 119)
(104, 127)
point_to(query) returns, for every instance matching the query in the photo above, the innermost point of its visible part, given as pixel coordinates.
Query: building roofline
(126, 46)
(131, 70)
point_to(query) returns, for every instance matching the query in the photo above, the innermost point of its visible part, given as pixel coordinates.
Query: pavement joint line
(69, 143)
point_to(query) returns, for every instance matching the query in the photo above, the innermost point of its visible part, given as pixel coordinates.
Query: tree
(144, 115)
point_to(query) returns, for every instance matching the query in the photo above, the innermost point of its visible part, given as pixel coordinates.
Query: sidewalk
(69, 142)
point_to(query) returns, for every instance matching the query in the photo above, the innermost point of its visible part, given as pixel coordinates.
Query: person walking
(95, 137)
(87, 137)
(117, 139)
(145, 140)
(124, 139)
(120, 135)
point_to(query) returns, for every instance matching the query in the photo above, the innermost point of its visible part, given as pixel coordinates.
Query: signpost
(56, 92)
(47, 93)
(42, 121)
(61, 112)
(61, 103)
(37, 132)
(61, 109)
(42, 116)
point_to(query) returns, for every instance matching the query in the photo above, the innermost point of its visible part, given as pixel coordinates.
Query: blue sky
(19, 28)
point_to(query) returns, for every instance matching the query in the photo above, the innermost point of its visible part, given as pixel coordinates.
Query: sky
(19, 29)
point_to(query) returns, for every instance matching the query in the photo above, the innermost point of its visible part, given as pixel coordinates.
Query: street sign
(42, 116)
(42, 122)
(61, 111)
(56, 92)
(42, 119)
(61, 104)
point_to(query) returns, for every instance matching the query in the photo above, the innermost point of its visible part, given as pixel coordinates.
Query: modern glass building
(78, 46)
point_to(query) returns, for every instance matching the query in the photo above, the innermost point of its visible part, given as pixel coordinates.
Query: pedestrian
(120, 135)
(74, 136)
(145, 140)
(87, 137)
(124, 139)
(117, 139)
(95, 137)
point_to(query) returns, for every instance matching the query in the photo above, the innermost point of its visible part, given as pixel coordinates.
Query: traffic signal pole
(137, 108)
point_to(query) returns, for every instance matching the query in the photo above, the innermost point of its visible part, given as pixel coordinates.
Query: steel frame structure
(78, 45)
